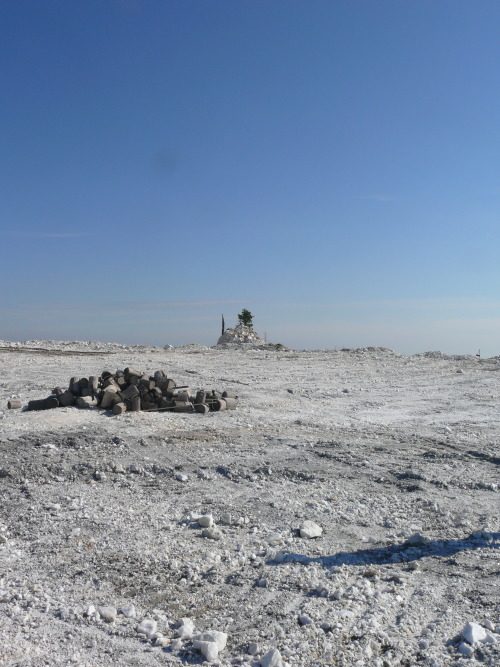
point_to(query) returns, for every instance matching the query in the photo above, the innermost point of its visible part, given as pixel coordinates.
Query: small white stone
(488, 625)
(304, 619)
(208, 649)
(162, 641)
(212, 533)
(185, 628)
(206, 521)
(479, 535)
(147, 627)
(128, 611)
(473, 632)
(253, 648)
(271, 659)
(465, 649)
(89, 611)
(274, 538)
(220, 638)
(181, 478)
(176, 645)
(226, 519)
(416, 540)
(108, 614)
(310, 530)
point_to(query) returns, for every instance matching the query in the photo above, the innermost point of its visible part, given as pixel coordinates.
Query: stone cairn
(131, 390)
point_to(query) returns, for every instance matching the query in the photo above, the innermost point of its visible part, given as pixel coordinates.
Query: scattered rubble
(194, 526)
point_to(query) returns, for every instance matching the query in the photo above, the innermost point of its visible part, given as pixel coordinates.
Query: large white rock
(473, 632)
(309, 530)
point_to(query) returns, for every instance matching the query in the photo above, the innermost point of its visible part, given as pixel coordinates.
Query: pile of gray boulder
(132, 390)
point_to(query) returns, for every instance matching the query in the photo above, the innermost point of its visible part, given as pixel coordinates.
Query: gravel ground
(345, 514)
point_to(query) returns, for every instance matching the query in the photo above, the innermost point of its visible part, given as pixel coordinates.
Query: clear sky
(333, 166)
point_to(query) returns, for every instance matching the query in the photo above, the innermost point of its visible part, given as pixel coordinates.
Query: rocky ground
(345, 514)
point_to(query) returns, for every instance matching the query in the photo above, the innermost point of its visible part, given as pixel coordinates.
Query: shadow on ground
(400, 553)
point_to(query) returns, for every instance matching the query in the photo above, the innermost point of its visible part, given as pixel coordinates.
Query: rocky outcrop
(240, 335)
(244, 337)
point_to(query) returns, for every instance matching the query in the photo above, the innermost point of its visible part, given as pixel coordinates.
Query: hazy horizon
(207, 329)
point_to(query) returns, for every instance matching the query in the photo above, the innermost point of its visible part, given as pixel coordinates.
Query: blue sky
(331, 166)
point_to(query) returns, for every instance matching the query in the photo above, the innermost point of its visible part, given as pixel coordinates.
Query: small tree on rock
(245, 318)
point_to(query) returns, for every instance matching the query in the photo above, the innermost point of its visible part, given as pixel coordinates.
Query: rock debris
(159, 539)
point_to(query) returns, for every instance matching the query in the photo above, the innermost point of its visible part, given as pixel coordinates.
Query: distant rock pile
(241, 336)
(132, 390)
